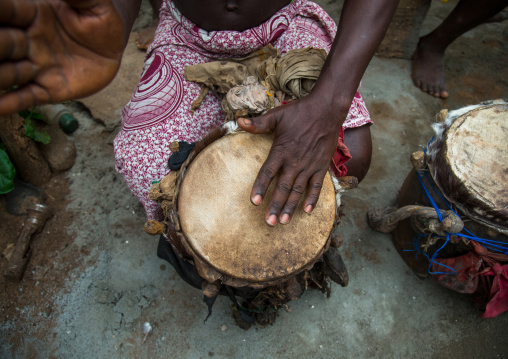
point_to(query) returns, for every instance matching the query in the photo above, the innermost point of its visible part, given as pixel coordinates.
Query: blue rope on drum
(487, 243)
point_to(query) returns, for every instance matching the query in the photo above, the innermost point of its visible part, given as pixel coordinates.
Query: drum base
(187, 271)
(260, 305)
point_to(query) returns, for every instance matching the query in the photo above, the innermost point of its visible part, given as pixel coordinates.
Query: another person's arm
(306, 131)
(53, 51)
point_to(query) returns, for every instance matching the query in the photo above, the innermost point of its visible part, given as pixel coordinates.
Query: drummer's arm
(362, 26)
(58, 50)
(306, 131)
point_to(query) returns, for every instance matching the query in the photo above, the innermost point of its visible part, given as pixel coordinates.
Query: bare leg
(427, 71)
(359, 142)
(145, 36)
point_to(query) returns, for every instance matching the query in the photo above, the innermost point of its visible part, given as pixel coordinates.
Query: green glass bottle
(58, 114)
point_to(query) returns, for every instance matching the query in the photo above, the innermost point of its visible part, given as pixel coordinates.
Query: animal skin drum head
(475, 152)
(228, 232)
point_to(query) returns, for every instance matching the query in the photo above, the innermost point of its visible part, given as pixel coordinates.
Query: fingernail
(246, 121)
(284, 219)
(257, 199)
(272, 220)
(308, 209)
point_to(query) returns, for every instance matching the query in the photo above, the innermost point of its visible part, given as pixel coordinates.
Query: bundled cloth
(260, 81)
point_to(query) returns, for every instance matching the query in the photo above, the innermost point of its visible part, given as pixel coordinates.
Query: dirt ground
(94, 278)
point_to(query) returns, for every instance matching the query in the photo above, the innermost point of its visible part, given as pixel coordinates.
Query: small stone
(224, 327)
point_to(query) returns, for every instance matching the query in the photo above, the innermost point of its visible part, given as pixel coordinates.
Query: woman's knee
(359, 142)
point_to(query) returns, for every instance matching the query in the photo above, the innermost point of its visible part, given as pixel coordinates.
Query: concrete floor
(385, 312)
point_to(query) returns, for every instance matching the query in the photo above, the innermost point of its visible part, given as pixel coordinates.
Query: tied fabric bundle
(295, 73)
(291, 76)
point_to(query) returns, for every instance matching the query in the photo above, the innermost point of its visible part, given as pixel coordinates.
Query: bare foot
(427, 72)
(145, 36)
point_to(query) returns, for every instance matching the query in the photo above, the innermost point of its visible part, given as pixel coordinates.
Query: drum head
(228, 232)
(472, 169)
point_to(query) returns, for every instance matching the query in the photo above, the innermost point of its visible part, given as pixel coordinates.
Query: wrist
(336, 103)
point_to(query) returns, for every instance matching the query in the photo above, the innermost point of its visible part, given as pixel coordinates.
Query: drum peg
(336, 239)
(293, 289)
(427, 221)
(335, 268)
(210, 290)
(442, 115)
(418, 160)
(174, 146)
(168, 184)
(348, 182)
(154, 227)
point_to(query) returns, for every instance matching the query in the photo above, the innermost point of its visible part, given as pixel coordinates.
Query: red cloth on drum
(159, 111)
(498, 301)
(467, 278)
(466, 266)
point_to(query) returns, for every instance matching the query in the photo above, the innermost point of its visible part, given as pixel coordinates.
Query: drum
(227, 235)
(462, 178)
(211, 223)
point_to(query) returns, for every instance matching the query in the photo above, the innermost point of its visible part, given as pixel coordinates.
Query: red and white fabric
(159, 111)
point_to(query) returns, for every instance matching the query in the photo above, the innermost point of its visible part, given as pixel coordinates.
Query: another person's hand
(53, 51)
(305, 138)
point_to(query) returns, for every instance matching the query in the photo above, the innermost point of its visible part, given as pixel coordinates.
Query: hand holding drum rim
(305, 137)
(54, 51)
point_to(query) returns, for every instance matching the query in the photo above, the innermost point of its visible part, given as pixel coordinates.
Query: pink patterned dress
(159, 111)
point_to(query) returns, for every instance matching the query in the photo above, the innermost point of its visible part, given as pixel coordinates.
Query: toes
(435, 91)
(443, 92)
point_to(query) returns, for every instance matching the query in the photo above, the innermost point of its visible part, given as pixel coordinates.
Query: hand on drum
(305, 138)
(53, 51)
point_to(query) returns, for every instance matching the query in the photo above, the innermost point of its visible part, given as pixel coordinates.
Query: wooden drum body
(468, 164)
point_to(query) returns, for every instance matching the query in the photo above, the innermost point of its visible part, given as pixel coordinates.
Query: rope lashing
(487, 243)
